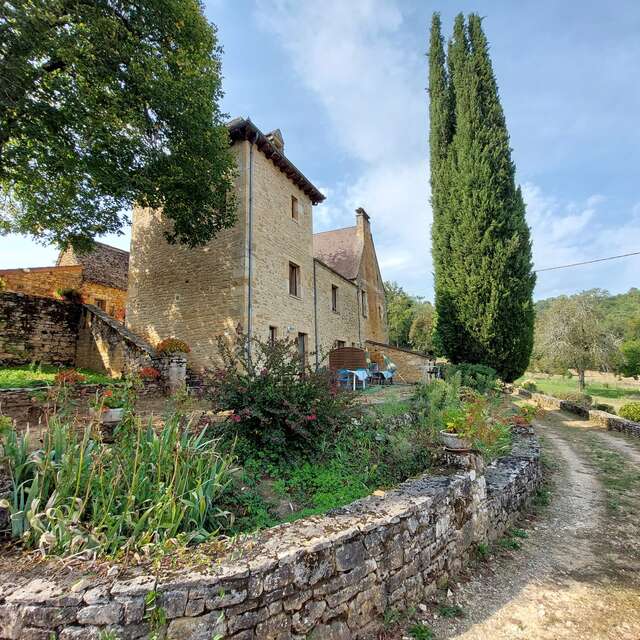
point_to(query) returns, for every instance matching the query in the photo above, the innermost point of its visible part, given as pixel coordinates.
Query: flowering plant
(149, 373)
(172, 345)
(69, 377)
(111, 398)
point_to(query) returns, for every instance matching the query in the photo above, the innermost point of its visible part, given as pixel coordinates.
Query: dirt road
(576, 573)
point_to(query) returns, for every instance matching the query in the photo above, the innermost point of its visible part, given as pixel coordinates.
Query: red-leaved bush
(149, 373)
(68, 377)
(172, 345)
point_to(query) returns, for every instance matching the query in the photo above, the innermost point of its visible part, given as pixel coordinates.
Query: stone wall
(327, 577)
(42, 281)
(410, 364)
(374, 324)
(604, 419)
(35, 329)
(191, 294)
(335, 325)
(107, 346)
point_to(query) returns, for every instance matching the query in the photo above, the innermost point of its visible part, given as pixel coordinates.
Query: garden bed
(29, 376)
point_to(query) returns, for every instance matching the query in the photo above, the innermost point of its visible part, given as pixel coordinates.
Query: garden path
(577, 573)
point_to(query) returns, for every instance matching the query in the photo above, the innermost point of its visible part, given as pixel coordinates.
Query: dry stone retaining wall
(328, 577)
(604, 419)
(37, 329)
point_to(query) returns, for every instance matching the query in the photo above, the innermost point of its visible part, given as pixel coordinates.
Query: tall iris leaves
(104, 104)
(481, 243)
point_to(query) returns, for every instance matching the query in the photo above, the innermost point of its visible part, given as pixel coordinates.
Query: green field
(603, 389)
(27, 376)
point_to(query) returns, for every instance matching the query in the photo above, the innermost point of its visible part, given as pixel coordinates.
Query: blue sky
(345, 82)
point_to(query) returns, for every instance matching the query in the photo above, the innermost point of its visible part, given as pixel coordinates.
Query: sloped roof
(105, 265)
(340, 249)
(244, 129)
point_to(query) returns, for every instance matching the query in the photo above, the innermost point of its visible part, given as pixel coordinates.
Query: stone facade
(42, 281)
(342, 325)
(242, 278)
(327, 577)
(411, 364)
(34, 329)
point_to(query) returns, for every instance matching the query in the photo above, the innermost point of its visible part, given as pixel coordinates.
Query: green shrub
(276, 404)
(78, 494)
(479, 377)
(529, 385)
(69, 294)
(630, 411)
(601, 406)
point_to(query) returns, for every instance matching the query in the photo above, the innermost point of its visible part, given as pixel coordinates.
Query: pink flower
(236, 418)
(311, 417)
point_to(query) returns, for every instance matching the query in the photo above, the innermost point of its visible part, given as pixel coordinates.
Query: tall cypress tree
(484, 277)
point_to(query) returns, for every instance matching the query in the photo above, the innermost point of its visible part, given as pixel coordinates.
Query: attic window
(295, 209)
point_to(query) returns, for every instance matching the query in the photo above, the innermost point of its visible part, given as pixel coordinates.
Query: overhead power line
(578, 264)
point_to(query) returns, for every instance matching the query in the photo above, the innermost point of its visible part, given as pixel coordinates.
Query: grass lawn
(608, 392)
(26, 376)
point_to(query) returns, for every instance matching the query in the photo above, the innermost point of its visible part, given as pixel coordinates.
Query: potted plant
(109, 406)
(455, 434)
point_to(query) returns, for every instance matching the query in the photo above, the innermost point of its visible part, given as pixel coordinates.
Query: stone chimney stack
(362, 221)
(276, 139)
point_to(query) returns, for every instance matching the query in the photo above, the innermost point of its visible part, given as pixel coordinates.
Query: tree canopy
(572, 333)
(409, 319)
(481, 243)
(104, 104)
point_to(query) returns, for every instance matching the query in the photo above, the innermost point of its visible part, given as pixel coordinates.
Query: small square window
(295, 209)
(294, 280)
(334, 298)
(101, 304)
(339, 344)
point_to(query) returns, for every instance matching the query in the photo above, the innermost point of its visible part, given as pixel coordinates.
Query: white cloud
(350, 55)
(565, 233)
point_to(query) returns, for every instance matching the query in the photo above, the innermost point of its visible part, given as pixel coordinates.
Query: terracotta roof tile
(340, 249)
(105, 265)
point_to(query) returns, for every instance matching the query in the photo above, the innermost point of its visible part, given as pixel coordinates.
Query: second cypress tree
(482, 248)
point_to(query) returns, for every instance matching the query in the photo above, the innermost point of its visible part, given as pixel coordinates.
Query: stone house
(268, 274)
(99, 276)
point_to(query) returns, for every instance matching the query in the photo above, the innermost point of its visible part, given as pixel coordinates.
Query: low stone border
(604, 419)
(328, 577)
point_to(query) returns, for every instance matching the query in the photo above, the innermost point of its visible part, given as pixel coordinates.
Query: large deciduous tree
(481, 242)
(104, 104)
(571, 333)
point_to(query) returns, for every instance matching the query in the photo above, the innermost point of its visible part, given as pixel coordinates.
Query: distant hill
(622, 311)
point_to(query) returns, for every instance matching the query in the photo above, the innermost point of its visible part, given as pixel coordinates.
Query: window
(273, 335)
(295, 209)
(294, 280)
(101, 304)
(339, 344)
(302, 349)
(334, 298)
(365, 304)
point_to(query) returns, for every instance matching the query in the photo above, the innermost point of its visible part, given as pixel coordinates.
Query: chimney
(276, 139)
(362, 220)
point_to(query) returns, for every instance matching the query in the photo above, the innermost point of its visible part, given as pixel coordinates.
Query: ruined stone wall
(278, 239)
(328, 577)
(106, 346)
(410, 363)
(335, 325)
(191, 294)
(35, 329)
(42, 281)
(374, 325)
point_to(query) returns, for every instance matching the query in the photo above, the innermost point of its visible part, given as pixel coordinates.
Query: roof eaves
(244, 129)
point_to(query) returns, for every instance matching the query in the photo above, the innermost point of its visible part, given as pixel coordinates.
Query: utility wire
(578, 264)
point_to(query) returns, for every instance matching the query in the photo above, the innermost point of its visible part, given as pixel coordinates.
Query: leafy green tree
(630, 355)
(421, 331)
(484, 277)
(104, 104)
(400, 309)
(571, 333)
